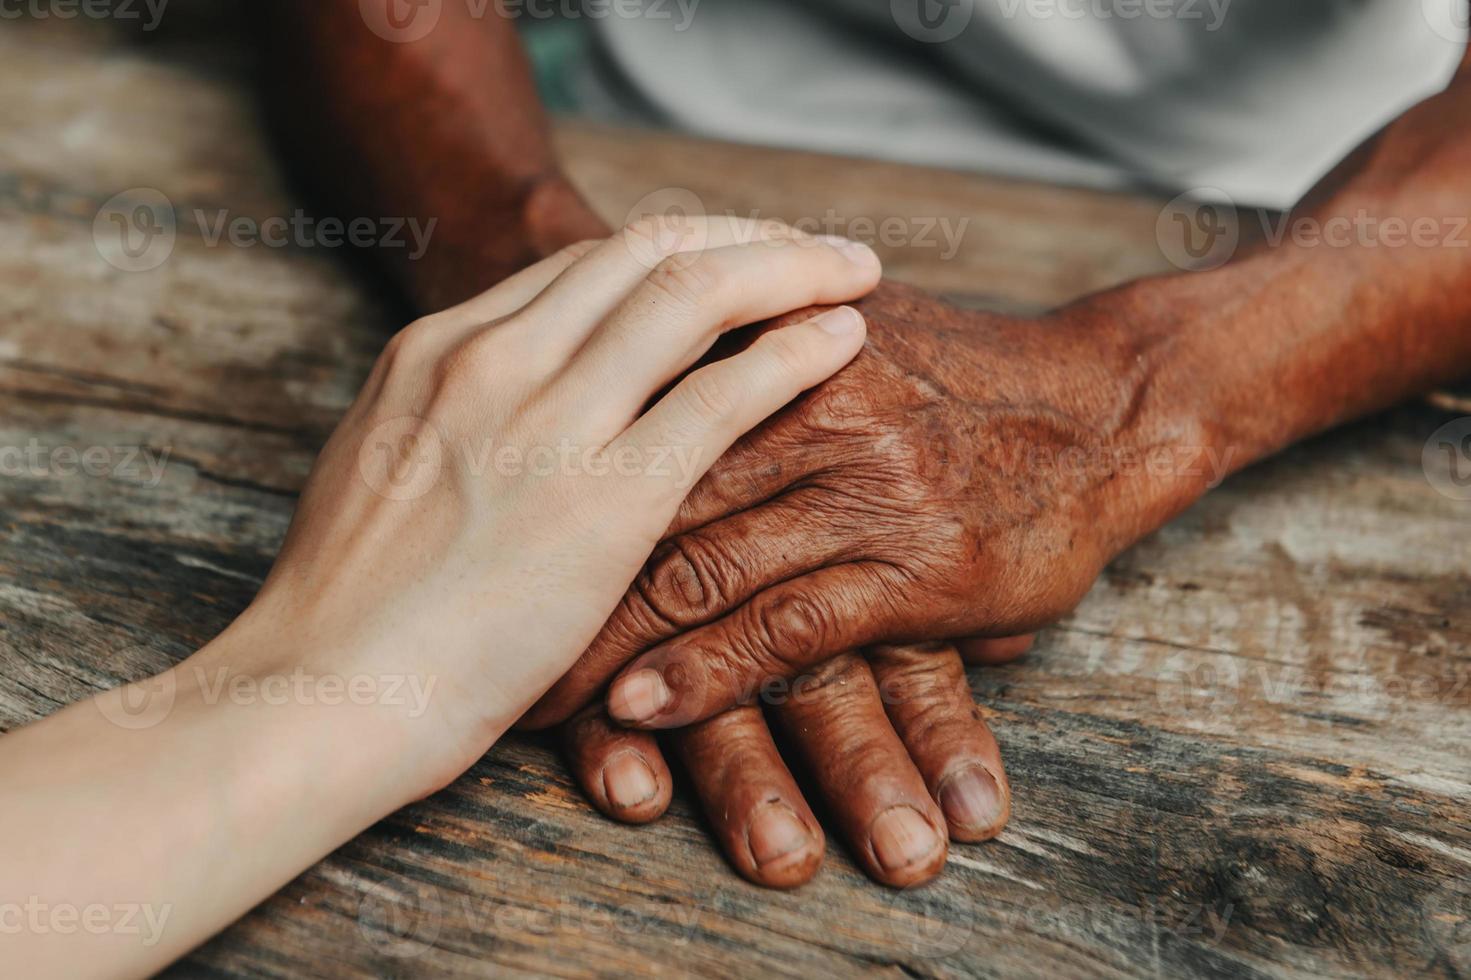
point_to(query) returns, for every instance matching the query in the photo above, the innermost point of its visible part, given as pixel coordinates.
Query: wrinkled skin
(927, 521)
(448, 127)
(968, 474)
(884, 737)
(926, 491)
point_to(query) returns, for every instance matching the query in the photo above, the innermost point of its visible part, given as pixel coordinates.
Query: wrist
(363, 735)
(555, 215)
(1167, 419)
(493, 229)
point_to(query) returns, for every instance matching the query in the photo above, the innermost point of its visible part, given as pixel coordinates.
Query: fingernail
(855, 252)
(903, 837)
(628, 780)
(971, 798)
(840, 322)
(776, 832)
(638, 697)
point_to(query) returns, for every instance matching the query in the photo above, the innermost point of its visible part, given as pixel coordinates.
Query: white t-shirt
(1256, 98)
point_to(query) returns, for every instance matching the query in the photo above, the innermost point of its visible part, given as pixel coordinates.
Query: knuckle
(844, 406)
(839, 680)
(685, 281)
(634, 624)
(934, 708)
(789, 356)
(652, 236)
(710, 397)
(948, 736)
(925, 685)
(645, 228)
(738, 729)
(840, 696)
(840, 670)
(648, 228)
(466, 370)
(687, 583)
(925, 656)
(791, 627)
(740, 476)
(730, 742)
(580, 249)
(410, 346)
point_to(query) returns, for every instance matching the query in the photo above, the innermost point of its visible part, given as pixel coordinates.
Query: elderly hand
(419, 539)
(968, 475)
(884, 737)
(432, 585)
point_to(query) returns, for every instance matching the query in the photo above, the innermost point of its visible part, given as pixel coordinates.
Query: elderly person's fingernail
(971, 799)
(638, 697)
(775, 832)
(902, 837)
(628, 780)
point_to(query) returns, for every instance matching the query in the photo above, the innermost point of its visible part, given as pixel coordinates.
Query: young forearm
(445, 128)
(133, 834)
(422, 600)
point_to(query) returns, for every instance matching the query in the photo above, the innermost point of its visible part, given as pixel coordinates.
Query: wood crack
(163, 411)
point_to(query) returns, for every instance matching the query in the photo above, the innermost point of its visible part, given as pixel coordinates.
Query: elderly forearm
(444, 127)
(1358, 300)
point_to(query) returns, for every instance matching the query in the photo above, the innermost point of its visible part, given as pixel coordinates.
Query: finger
(592, 288)
(620, 770)
(431, 336)
(758, 467)
(786, 450)
(712, 407)
(985, 652)
(781, 632)
(566, 297)
(671, 319)
(754, 807)
(696, 578)
(928, 700)
(837, 724)
(513, 293)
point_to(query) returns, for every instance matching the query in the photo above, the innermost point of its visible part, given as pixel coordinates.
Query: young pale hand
(501, 477)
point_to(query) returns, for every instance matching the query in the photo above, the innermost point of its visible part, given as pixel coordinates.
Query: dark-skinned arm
(972, 473)
(447, 127)
(1300, 337)
(444, 127)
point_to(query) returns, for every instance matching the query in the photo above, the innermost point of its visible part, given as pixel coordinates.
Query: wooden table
(1245, 754)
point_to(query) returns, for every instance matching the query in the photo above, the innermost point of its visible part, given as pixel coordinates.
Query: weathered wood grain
(1244, 755)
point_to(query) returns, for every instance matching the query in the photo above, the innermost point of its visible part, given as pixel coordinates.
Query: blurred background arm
(446, 126)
